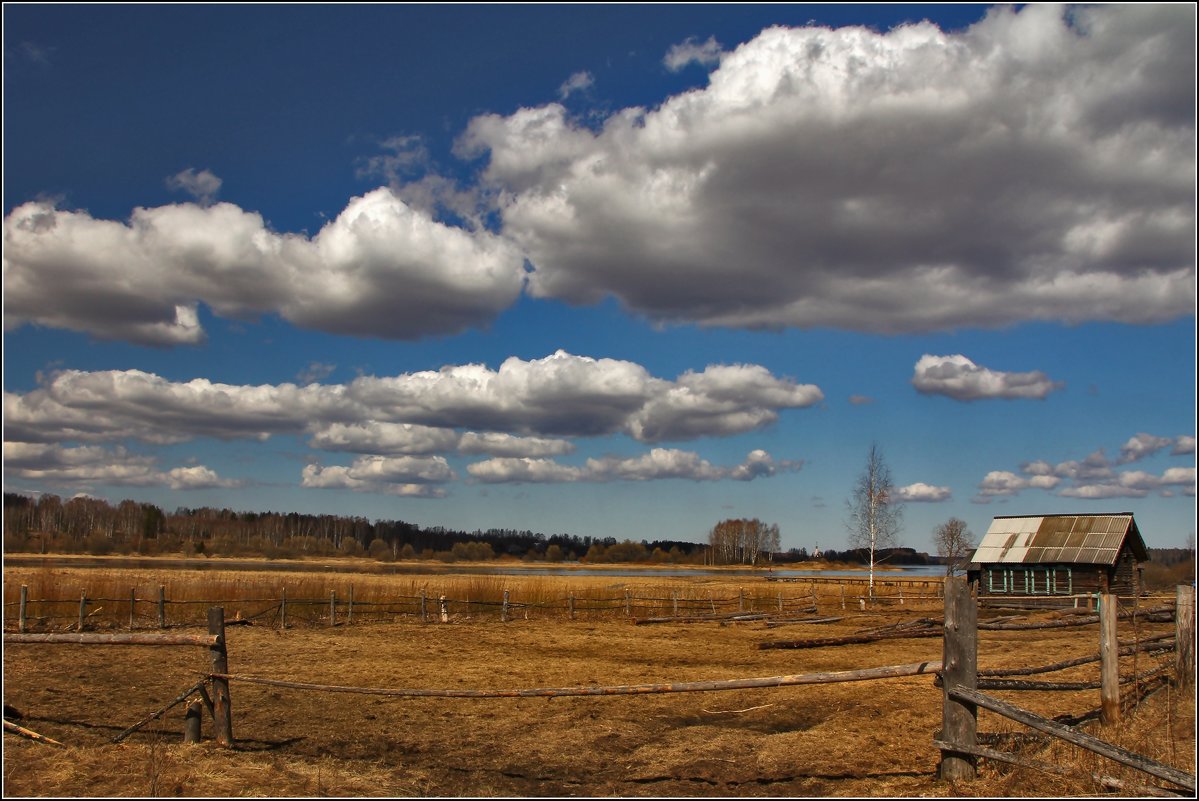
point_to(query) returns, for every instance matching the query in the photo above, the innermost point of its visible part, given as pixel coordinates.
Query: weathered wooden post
(628, 608)
(740, 599)
(572, 606)
(445, 612)
(283, 609)
(332, 607)
(959, 664)
(132, 603)
(162, 606)
(82, 607)
(780, 600)
(674, 597)
(1109, 660)
(350, 609)
(222, 711)
(843, 595)
(1184, 635)
(424, 615)
(24, 602)
(504, 609)
(191, 722)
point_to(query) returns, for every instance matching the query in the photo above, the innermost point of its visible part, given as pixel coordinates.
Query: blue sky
(603, 270)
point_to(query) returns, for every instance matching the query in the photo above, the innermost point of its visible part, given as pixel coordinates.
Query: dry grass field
(861, 739)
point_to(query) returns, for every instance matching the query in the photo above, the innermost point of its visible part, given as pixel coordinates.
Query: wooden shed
(1047, 555)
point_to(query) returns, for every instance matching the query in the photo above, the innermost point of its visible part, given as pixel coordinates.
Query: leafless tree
(875, 512)
(954, 543)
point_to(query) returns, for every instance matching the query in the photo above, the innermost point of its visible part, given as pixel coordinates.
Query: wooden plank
(205, 640)
(1115, 752)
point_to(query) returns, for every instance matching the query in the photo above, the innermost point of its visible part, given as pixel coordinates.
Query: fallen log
(1109, 782)
(1114, 752)
(787, 622)
(865, 674)
(9, 726)
(701, 618)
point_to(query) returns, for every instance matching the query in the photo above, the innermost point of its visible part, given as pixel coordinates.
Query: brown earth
(862, 739)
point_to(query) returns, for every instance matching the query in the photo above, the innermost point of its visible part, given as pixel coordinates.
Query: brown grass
(871, 739)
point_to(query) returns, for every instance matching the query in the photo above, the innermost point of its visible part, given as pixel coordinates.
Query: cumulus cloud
(1036, 166)
(924, 493)
(1095, 475)
(1141, 446)
(578, 82)
(89, 466)
(559, 395)
(380, 269)
(692, 52)
(403, 427)
(961, 379)
(657, 464)
(202, 185)
(407, 476)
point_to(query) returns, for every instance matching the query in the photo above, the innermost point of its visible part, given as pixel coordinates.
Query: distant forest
(91, 525)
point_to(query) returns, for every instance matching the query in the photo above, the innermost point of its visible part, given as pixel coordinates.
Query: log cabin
(1059, 555)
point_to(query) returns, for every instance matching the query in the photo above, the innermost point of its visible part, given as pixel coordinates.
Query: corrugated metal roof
(1072, 539)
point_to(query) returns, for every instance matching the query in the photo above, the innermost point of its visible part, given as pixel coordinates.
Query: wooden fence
(160, 611)
(958, 739)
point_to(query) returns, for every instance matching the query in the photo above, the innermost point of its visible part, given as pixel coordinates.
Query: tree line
(85, 524)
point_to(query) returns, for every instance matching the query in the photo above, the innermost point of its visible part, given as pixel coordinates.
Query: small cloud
(35, 53)
(961, 379)
(202, 185)
(578, 82)
(1141, 446)
(680, 55)
(924, 493)
(1183, 446)
(315, 372)
(860, 400)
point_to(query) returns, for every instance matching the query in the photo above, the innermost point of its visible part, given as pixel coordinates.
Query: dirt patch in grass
(871, 739)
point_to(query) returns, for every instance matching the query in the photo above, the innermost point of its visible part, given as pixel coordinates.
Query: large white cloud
(961, 379)
(379, 269)
(1037, 166)
(521, 413)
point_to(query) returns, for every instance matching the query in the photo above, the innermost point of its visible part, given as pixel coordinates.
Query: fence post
(332, 607)
(191, 722)
(627, 607)
(445, 612)
(740, 599)
(572, 606)
(1109, 660)
(504, 610)
(843, 595)
(24, 601)
(162, 606)
(132, 604)
(350, 610)
(283, 609)
(424, 616)
(674, 597)
(82, 606)
(780, 600)
(1184, 635)
(959, 664)
(222, 712)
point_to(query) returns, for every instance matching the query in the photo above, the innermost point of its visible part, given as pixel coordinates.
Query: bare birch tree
(875, 512)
